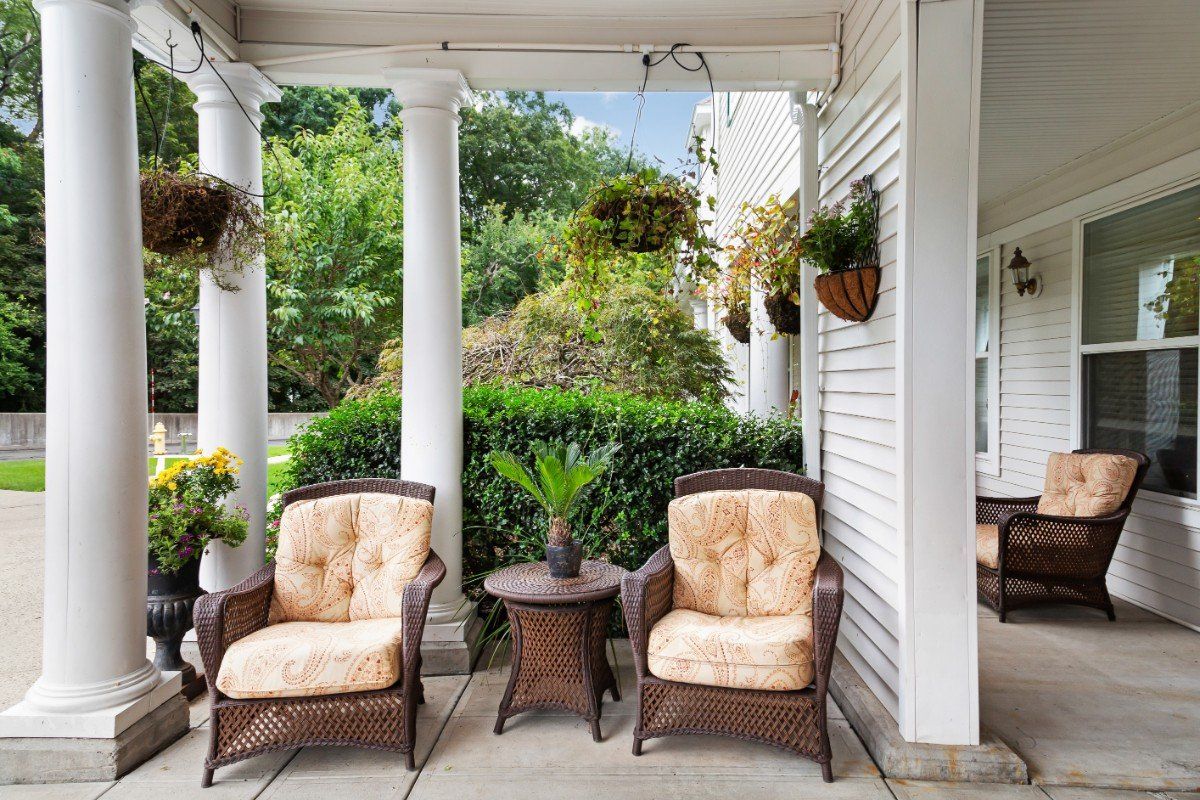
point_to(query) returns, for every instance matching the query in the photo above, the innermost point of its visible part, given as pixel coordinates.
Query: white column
(94, 624)
(767, 385)
(431, 383)
(699, 308)
(805, 114)
(939, 692)
(233, 324)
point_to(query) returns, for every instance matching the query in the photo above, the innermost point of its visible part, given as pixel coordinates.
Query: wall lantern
(1020, 275)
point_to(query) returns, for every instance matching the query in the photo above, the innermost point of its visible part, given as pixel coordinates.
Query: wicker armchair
(1026, 558)
(382, 718)
(790, 718)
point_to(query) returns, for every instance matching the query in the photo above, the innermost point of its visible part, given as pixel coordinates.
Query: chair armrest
(828, 593)
(414, 603)
(221, 618)
(1067, 547)
(988, 510)
(645, 599)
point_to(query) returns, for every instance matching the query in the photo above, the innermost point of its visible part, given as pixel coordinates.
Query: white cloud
(581, 125)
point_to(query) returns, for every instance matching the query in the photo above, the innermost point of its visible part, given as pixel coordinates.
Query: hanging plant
(192, 217)
(766, 235)
(643, 222)
(733, 296)
(842, 242)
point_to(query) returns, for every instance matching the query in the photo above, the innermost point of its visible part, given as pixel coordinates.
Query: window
(986, 362)
(1140, 347)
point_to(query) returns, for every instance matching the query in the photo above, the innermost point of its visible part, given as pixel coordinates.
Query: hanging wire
(647, 62)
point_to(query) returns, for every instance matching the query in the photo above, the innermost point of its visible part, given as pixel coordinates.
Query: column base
(27, 720)
(66, 759)
(450, 648)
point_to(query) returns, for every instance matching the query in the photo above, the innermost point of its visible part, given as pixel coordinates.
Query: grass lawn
(29, 475)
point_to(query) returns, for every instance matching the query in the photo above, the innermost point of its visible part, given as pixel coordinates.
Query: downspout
(804, 115)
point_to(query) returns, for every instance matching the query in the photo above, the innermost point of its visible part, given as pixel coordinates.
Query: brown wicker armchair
(374, 632)
(1026, 558)
(785, 709)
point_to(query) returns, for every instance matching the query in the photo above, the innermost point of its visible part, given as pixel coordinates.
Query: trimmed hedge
(623, 519)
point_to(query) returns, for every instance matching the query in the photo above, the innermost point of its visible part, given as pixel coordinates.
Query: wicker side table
(559, 629)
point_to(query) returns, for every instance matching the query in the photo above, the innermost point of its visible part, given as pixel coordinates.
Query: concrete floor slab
(55, 791)
(938, 790)
(1094, 703)
(1084, 793)
(183, 762)
(463, 787)
(387, 788)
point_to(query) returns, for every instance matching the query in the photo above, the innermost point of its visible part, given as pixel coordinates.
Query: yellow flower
(172, 486)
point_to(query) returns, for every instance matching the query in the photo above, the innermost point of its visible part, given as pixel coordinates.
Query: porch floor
(1086, 702)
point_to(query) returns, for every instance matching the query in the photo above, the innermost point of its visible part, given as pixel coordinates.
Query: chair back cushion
(1086, 484)
(749, 552)
(348, 557)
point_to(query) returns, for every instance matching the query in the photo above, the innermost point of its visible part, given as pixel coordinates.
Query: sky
(662, 132)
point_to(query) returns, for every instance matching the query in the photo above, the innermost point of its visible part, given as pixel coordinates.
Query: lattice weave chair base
(1024, 591)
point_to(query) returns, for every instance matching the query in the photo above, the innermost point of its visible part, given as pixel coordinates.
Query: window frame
(988, 462)
(1079, 349)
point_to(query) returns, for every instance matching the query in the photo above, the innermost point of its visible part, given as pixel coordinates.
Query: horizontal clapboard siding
(1157, 563)
(860, 134)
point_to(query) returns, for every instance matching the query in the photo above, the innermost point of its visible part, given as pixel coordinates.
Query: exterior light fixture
(196, 314)
(1020, 275)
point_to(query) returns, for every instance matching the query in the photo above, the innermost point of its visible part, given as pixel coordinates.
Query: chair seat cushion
(987, 545)
(301, 659)
(774, 653)
(1086, 484)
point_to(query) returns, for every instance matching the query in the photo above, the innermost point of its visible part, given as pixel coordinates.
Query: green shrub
(624, 519)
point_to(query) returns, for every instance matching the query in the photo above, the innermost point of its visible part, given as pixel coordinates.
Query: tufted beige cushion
(774, 653)
(744, 553)
(987, 545)
(300, 659)
(348, 557)
(1086, 485)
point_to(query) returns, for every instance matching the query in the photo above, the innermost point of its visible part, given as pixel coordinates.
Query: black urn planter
(564, 561)
(169, 601)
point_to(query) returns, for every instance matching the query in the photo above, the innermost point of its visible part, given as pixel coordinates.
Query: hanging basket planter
(849, 294)
(184, 214)
(783, 313)
(738, 324)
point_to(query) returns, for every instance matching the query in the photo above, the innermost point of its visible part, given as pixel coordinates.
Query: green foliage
(335, 253)
(318, 108)
(625, 519)
(168, 129)
(558, 482)
(766, 236)
(517, 150)
(20, 63)
(187, 510)
(845, 235)
(504, 261)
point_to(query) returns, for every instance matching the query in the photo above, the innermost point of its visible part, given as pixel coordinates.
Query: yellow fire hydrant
(158, 439)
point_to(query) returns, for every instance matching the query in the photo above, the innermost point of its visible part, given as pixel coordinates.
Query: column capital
(119, 8)
(251, 86)
(427, 87)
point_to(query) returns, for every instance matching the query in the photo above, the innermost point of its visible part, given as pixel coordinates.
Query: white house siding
(860, 134)
(1157, 564)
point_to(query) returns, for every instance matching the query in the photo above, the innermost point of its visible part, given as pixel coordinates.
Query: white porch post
(233, 324)
(431, 384)
(939, 693)
(805, 114)
(767, 379)
(96, 681)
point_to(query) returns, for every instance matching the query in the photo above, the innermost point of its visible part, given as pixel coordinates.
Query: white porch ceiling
(758, 44)
(1064, 78)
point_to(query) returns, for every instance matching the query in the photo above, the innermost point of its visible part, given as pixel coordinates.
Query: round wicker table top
(531, 583)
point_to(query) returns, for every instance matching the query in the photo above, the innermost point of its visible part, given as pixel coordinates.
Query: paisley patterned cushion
(348, 557)
(1086, 485)
(987, 545)
(774, 653)
(744, 553)
(300, 659)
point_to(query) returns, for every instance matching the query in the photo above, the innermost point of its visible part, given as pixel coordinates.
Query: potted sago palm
(559, 480)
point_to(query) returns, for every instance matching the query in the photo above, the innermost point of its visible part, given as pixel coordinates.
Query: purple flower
(185, 552)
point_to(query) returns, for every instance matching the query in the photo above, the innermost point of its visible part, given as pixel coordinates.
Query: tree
(318, 108)
(167, 125)
(518, 150)
(21, 64)
(503, 261)
(334, 273)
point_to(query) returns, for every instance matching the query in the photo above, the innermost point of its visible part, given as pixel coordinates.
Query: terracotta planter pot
(850, 294)
(738, 323)
(783, 313)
